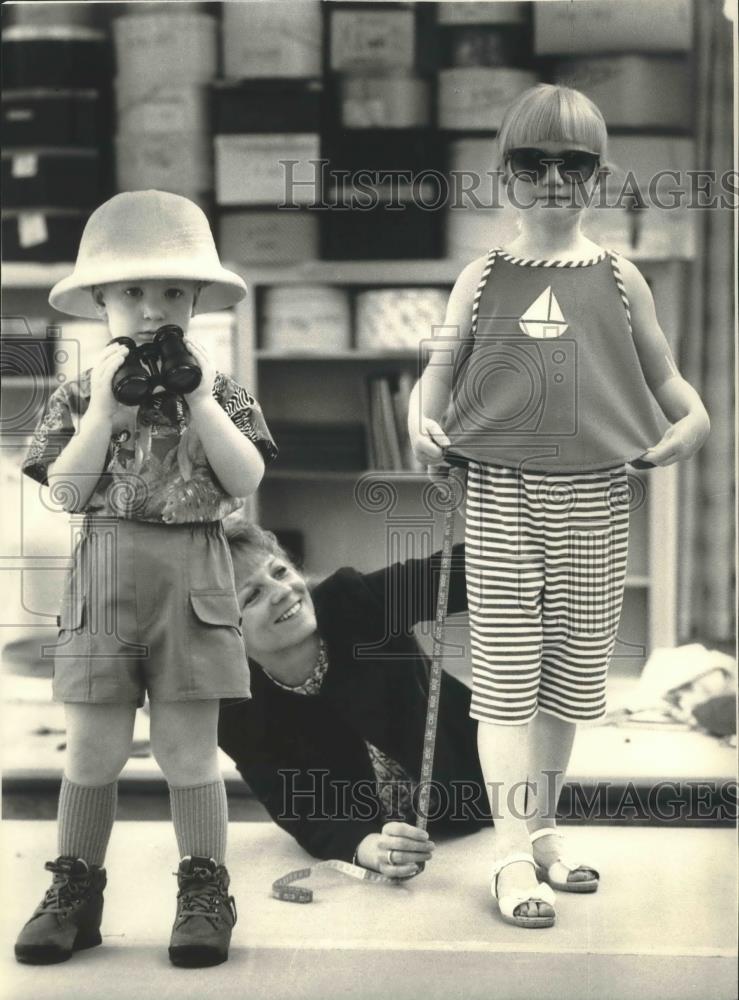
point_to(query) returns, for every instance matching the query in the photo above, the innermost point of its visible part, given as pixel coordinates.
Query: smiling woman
(330, 741)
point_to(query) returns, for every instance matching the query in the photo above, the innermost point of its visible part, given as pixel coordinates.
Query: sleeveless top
(548, 378)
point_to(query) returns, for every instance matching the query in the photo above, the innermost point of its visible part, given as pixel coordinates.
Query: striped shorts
(545, 557)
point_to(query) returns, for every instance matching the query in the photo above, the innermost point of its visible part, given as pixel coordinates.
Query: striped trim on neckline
(534, 262)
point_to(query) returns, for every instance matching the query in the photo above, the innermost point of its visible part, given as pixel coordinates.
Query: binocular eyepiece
(164, 361)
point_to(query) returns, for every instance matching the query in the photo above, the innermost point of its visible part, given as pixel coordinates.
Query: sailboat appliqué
(543, 319)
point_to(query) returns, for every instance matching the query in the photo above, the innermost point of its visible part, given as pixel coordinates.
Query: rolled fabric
(171, 161)
(165, 109)
(396, 319)
(170, 49)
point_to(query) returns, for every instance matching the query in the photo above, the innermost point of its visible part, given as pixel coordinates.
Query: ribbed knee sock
(85, 819)
(200, 817)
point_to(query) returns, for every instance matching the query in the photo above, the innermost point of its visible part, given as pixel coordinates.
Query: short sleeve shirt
(155, 467)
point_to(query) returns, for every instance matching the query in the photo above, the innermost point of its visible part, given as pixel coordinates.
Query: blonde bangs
(550, 113)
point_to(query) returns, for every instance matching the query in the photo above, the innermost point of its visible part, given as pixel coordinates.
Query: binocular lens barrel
(180, 371)
(130, 383)
(164, 361)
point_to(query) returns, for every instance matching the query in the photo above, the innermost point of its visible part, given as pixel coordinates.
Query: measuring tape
(282, 888)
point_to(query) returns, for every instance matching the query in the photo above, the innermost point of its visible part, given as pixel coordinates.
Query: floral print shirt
(155, 468)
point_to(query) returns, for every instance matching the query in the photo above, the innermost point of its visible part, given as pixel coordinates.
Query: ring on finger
(390, 857)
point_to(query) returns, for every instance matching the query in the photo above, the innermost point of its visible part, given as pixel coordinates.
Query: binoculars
(164, 361)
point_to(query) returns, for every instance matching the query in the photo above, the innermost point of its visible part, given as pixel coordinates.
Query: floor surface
(662, 926)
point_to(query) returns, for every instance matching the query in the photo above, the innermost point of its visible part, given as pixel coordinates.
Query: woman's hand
(103, 404)
(680, 441)
(398, 852)
(428, 441)
(205, 389)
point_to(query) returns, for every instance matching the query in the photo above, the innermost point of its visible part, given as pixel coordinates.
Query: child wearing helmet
(149, 604)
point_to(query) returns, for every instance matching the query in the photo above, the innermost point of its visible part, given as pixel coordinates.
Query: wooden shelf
(321, 357)
(21, 275)
(344, 476)
(366, 272)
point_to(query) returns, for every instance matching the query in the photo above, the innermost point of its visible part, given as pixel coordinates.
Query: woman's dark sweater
(305, 757)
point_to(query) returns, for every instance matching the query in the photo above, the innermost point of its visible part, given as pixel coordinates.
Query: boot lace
(66, 890)
(202, 896)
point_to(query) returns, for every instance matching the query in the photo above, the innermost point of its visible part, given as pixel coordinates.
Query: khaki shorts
(150, 607)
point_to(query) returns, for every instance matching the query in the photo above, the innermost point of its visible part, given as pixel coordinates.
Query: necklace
(312, 683)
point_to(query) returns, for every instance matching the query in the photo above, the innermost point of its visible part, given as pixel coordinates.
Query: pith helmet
(146, 234)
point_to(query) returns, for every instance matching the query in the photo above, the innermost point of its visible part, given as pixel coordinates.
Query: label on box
(372, 40)
(25, 165)
(32, 229)
(19, 115)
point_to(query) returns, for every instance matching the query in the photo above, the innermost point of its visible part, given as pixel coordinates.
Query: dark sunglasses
(574, 165)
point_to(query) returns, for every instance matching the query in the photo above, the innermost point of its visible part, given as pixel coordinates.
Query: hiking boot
(205, 916)
(68, 917)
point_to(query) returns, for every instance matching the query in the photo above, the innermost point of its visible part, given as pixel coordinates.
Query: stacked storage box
(384, 155)
(165, 61)
(632, 61)
(55, 162)
(488, 51)
(267, 121)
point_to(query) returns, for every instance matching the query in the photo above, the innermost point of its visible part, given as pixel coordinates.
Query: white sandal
(549, 875)
(508, 904)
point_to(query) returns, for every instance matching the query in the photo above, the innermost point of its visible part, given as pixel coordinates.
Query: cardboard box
(381, 233)
(48, 236)
(646, 199)
(398, 101)
(52, 118)
(268, 236)
(155, 50)
(477, 97)
(179, 162)
(634, 90)
(272, 39)
(645, 234)
(373, 40)
(267, 106)
(268, 169)
(472, 12)
(34, 57)
(562, 28)
(168, 109)
(65, 178)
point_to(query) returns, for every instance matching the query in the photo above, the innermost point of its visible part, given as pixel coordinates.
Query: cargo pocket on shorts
(71, 615)
(215, 646)
(216, 607)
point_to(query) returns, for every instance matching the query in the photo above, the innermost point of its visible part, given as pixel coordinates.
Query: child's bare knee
(91, 761)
